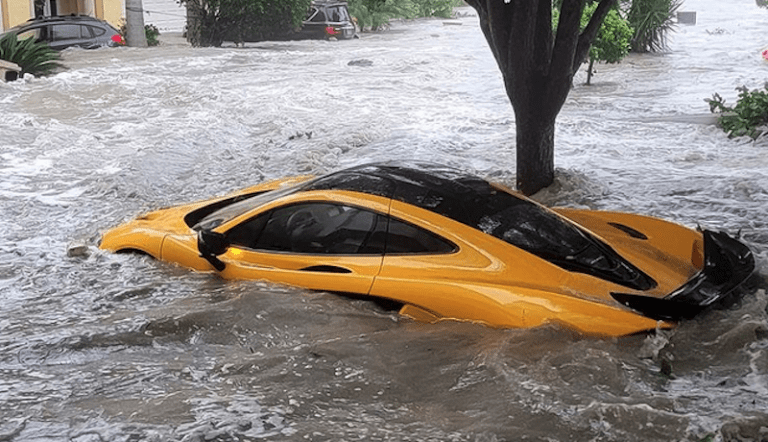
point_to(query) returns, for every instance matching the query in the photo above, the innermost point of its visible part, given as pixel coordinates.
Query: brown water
(123, 348)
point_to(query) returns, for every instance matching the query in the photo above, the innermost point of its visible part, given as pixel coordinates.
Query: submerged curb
(687, 119)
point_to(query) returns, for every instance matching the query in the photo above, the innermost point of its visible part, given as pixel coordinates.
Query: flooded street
(103, 347)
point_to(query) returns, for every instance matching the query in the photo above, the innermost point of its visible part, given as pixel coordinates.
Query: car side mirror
(211, 244)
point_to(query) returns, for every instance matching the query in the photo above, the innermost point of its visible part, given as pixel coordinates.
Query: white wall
(166, 15)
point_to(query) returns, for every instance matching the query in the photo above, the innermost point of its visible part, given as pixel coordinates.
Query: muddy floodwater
(103, 347)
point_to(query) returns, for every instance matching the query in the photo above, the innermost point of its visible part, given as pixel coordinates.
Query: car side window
(68, 32)
(312, 228)
(338, 14)
(334, 229)
(405, 238)
(319, 16)
(97, 32)
(36, 33)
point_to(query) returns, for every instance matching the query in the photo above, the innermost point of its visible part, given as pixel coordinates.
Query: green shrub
(150, 31)
(375, 14)
(652, 20)
(435, 8)
(750, 115)
(33, 57)
(152, 34)
(612, 42)
(211, 22)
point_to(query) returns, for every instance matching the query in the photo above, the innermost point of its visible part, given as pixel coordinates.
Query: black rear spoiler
(727, 264)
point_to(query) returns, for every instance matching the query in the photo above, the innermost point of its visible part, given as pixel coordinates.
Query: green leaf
(34, 57)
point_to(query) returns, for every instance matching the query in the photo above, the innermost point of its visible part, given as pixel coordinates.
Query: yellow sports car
(442, 244)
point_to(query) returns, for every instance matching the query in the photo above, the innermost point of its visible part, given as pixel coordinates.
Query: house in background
(166, 15)
(14, 12)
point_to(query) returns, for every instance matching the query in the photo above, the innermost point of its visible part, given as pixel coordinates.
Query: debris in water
(361, 62)
(78, 250)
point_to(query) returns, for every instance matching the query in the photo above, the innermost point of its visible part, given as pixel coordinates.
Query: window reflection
(333, 229)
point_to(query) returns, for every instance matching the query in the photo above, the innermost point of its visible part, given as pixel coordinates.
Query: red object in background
(765, 54)
(117, 38)
(330, 30)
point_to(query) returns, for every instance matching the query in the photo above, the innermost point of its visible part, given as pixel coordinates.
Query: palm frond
(652, 21)
(33, 57)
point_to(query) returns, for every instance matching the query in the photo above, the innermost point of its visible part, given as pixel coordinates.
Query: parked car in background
(328, 19)
(65, 31)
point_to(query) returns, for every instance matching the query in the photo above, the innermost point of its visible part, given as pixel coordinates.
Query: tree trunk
(193, 23)
(538, 66)
(535, 154)
(589, 70)
(134, 24)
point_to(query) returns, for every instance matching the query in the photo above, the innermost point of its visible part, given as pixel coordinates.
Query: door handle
(326, 269)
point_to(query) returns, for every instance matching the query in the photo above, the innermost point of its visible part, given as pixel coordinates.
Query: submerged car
(328, 19)
(61, 32)
(442, 244)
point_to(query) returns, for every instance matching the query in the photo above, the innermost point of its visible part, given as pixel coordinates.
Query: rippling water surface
(122, 348)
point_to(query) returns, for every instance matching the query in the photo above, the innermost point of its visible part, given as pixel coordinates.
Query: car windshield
(223, 211)
(238, 207)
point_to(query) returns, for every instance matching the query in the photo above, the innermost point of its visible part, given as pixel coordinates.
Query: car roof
(61, 18)
(441, 189)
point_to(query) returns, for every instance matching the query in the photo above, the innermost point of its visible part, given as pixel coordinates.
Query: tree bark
(538, 66)
(535, 151)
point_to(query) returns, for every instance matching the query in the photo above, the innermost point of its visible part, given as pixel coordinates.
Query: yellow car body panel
(475, 285)
(287, 269)
(482, 278)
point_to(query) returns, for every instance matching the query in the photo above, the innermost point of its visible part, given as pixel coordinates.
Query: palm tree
(652, 20)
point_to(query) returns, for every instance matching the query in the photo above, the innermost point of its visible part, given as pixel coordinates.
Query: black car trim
(194, 217)
(326, 269)
(634, 233)
(728, 263)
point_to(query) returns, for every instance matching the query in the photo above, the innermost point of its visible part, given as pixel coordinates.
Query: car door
(436, 277)
(317, 245)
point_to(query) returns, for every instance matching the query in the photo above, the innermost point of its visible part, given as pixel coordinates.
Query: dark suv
(64, 31)
(328, 19)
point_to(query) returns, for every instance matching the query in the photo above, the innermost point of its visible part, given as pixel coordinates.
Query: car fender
(516, 307)
(182, 250)
(132, 236)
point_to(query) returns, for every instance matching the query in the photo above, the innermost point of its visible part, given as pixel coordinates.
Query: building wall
(112, 11)
(14, 12)
(166, 15)
(67, 7)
